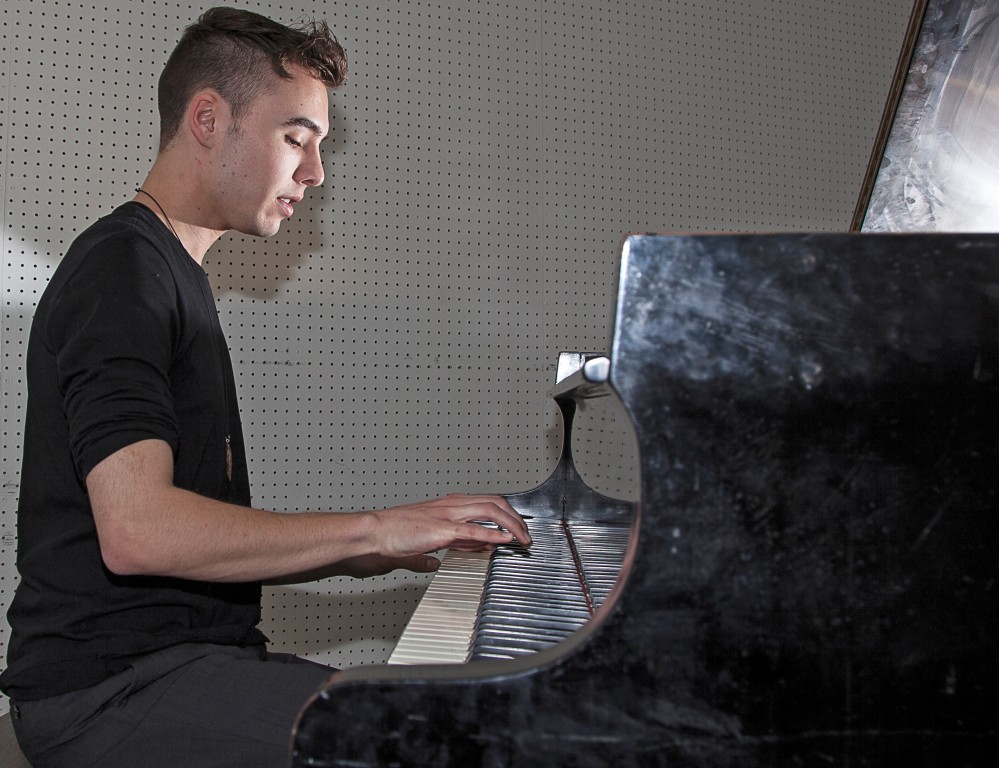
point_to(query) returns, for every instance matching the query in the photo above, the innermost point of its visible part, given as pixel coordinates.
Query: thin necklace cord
(157, 204)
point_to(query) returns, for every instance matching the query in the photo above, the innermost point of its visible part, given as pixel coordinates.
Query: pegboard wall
(397, 339)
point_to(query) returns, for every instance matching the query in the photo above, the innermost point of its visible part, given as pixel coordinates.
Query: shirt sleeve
(112, 329)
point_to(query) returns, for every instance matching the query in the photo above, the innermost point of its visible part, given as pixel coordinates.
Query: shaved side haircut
(233, 52)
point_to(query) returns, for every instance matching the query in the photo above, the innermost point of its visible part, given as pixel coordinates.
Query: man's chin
(261, 230)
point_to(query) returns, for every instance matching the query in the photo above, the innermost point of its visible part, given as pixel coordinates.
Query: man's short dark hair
(233, 52)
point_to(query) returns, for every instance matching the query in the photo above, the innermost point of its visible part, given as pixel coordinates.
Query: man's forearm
(147, 526)
(153, 528)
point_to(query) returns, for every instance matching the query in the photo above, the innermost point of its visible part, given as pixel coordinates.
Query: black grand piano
(809, 576)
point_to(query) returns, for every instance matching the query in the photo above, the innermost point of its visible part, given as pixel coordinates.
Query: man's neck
(163, 192)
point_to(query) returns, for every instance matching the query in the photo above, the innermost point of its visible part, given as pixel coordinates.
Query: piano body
(809, 576)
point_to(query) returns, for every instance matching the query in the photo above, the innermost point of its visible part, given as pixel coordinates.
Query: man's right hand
(454, 521)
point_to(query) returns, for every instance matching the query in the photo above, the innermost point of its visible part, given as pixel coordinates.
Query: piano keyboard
(516, 601)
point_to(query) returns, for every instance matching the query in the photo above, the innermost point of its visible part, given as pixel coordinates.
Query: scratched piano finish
(813, 575)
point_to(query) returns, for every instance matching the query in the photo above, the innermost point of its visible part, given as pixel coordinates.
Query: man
(134, 636)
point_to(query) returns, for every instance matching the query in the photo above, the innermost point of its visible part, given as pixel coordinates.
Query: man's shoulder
(128, 240)
(121, 260)
(130, 225)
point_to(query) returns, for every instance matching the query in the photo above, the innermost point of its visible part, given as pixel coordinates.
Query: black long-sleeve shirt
(125, 346)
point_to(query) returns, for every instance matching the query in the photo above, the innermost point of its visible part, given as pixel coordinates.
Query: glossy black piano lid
(814, 579)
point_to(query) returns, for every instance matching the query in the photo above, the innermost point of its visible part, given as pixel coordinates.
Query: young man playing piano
(134, 636)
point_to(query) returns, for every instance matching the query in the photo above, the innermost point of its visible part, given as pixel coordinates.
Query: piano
(810, 574)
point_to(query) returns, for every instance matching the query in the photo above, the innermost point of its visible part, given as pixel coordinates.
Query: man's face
(266, 163)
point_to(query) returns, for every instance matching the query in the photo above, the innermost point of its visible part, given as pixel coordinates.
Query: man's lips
(287, 204)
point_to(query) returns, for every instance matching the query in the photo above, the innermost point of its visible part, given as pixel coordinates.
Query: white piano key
(440, 628)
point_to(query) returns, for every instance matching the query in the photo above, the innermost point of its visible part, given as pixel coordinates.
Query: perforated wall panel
(397, 339)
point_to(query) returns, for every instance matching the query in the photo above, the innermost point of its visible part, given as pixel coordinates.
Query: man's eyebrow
(304, 122)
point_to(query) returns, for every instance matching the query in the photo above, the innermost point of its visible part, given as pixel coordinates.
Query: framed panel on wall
(936, 165)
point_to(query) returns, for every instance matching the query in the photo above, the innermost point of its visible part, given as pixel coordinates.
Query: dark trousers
(191, 706)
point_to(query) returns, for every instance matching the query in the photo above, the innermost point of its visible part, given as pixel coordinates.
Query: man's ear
(206, 115)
